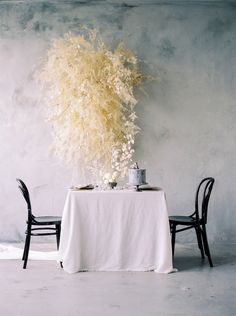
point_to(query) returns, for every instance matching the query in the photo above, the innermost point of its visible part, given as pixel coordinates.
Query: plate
(85, 187)
(149, 188)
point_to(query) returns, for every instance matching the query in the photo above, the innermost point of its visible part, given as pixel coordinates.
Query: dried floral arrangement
(91, 103)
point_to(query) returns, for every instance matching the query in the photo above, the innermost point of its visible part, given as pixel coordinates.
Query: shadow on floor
(189, 257)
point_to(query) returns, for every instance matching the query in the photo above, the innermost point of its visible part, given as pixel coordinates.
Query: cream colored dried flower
(91, 101)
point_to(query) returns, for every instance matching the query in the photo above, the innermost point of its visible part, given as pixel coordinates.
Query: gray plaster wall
(187, 120)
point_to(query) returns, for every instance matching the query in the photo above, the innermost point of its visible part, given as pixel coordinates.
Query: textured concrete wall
(188, 120)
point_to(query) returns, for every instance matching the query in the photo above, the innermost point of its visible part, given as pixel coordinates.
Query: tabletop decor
(91, 103)
(137, 176)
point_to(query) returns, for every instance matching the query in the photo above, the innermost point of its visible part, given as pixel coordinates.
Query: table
(115, 230)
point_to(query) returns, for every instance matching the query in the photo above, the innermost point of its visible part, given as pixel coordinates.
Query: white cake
(137, 176)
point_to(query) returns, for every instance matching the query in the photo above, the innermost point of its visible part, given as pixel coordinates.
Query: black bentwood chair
(44, 221)
(197, 220)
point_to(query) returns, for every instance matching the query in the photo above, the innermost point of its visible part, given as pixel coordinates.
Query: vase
(112, 185)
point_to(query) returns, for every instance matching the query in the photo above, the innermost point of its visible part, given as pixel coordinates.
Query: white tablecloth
(115, 231)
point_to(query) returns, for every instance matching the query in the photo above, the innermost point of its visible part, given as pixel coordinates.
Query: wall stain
(27, 16)
(64, 19)
(39, 27)
(47, 7)
(76, 4)
(162, 135)
(118, 16)
(128, 6)
(29, 11)
(166, 49)
(218, 26)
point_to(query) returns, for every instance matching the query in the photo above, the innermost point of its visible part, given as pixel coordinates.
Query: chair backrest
(202, 198)
(25, 193)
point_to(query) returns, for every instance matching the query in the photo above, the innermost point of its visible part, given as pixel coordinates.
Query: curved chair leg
(23, 257)
(58, 235)
(206, 246)
(26, 251)
(199, 240)
(173, 232)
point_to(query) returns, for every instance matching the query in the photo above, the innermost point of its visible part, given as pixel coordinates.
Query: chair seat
(47, 220)
(184, 220)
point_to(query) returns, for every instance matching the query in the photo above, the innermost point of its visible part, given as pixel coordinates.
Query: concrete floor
(45, 289)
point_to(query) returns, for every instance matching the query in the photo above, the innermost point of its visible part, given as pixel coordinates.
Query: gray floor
(45, 289)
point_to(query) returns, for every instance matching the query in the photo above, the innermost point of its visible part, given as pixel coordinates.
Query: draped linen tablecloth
(115, 231)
